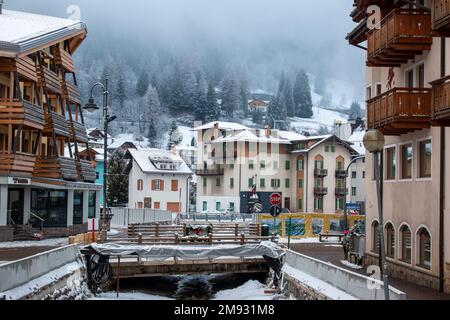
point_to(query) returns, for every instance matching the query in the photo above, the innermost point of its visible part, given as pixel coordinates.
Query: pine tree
(175, 136)
(213, 108)
(152, 134)
(289, 98)
(117, 180)
(120, 94)
(355, 110)
(302, 96)
(230, 93)
(142, 84)
(244, 98)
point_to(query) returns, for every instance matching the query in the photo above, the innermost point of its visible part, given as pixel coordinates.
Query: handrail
(37, 217)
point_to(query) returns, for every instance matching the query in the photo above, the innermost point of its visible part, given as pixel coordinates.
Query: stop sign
(275, 199)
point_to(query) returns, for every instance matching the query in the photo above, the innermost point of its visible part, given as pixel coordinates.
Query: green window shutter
(250, 182)
(288, 165)
(300, 183)
(231, 183)
(217, 182)
(204, 182)
(300, 204)
(262, 183)
(288, 183)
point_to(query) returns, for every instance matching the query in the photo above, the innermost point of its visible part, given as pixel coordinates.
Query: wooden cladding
(56, 168)
(49, 80)
(70, 92)
(400, 110)
(15, 111)
(17, 163)
(26, 67)
(57, 123)
(78, 132)
(441, 99)
(404, 33)
(441, 17)
(86, 171)
(64, 59)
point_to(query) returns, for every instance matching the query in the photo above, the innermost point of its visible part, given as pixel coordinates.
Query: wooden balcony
(56, 122)
(399, 111)
(70, 92)
(20, 164)
(340, 192)
(210, 172)
(26, 67)
(86, 171)
(56, 168)
(78, 132)
(441, 17)
(341, 174)
(441, 101)
(404, 33)
(64, 59)
(320, 192)
(320, 172)
(49, 80)
(15, 111)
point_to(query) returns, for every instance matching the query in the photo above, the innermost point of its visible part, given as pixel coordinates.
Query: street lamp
(374, 143)
(91, 106)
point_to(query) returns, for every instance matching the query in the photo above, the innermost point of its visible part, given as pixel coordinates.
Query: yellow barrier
(85, 238)
(308, 225)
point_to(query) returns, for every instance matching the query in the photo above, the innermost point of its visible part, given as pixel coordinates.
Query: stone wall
(6, 234)
(301, 291)
(399, 271)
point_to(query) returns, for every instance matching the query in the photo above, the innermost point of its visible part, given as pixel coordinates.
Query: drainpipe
(442, 185)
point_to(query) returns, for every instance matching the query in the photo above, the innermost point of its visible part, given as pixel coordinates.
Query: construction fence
(125, 216)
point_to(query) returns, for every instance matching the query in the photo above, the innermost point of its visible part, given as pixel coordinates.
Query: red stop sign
(275, 199)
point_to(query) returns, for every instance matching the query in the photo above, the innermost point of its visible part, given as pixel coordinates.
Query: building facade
(408, 90)
(158, 179)
(40, 116)
(233, 161)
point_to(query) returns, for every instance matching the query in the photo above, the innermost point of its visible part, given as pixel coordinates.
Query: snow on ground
(317, 284)
(56, 242)
(188, 134)
(251, 290)
(351, 265)
(321, 118)
(129, 296)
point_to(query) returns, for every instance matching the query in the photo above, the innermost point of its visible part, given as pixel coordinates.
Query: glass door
(15, 206)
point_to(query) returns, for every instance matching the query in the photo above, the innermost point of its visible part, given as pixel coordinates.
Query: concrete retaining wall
(347, 281)
(19, 272)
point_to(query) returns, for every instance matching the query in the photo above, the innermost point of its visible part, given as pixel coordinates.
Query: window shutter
(162, 185)
(153, 185)
(174, 185)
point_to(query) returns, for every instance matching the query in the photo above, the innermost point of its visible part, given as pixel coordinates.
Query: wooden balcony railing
(441, 17)
(22, 112)
(320, 191)
(404, 33)
(400, 110)
(50, 80)
(71, 92)
(441, 100)
(26, 67)
(78, 131)
(56, 168)
(86, 171)
(210, 172)
(320, 172)
(21, 164)
(58, 123)
(64, 59)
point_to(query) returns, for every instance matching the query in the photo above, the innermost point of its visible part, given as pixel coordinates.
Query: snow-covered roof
(22, 31)
(291, 136)
(223, 126)
(143, 159)
(186, 148)
(250, 136)
(120, 139)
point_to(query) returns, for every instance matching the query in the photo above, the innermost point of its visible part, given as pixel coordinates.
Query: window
(218, 205)
(300, 184)
(369, 93)
(333, 148)
(406, 242)
(354, 191)
(421, 76)
(318, 203)
(287, 183)
(251, 164)
(339, 203)
(391, 163)
(78, 207)
(425, 149)
(300, 165)
(232, 207)
(327, 148)
(140, 185)
(424, 248)
(353, 174)
(205, 205)
(378, 89)
(263, 164)
(406, 158)
(92, 201)
(157, 205)
(390, 240)
(262, 183)
(250, 183)
(287, 165)
(231, 183)
(158, 185)
(300, 204)
(275, 183)
(275, 165)
(318, 164)
(409, 78)
(205, 182)
(375, 237)
(319, 183)
(340, 165)
(174, 185)
(364, 174)
(217, 182)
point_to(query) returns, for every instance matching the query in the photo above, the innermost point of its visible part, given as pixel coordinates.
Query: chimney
(1, 5)
(267, 131)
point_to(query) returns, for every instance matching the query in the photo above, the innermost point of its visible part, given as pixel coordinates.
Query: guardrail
(219, 217)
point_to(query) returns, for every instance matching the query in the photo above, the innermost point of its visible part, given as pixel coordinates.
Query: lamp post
(91, 106)
(374, 143)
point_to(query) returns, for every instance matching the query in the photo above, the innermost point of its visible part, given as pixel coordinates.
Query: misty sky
(266, 34)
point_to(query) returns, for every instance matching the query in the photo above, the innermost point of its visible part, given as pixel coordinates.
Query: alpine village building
(40, 117)
(234, 161)
(408, 100)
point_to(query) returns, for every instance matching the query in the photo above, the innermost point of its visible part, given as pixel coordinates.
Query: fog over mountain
(265, 37)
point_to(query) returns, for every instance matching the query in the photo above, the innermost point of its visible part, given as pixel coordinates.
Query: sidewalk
(334, 254)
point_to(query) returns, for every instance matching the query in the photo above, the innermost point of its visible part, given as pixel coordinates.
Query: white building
(158, 179)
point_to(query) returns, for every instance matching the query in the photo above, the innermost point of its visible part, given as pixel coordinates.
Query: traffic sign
(353, 206)
(275, 211)
(275, 199)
